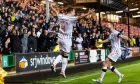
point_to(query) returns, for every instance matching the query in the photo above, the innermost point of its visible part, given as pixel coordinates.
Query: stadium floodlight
(61, 3)
(119, 11)
(136, 16)
(102, 12)
(84, 8)
(50, 0)
(138, 12)
(44, 2)
(119, 16)
(134, 9)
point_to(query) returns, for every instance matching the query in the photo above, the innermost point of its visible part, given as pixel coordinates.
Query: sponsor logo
(38, 61)
(35, 61)
(82, 53)
(23, 63)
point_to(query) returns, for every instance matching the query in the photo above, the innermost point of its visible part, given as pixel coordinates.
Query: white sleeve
(63, 17)
(73, 19)
(60, 16)
(116, 33)
(76, 40)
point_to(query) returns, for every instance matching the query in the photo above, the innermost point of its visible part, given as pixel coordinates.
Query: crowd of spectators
(24, 29)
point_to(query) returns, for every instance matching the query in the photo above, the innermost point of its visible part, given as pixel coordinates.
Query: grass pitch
(131, 71)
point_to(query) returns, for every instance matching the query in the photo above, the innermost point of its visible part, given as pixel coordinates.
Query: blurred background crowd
(24, 29)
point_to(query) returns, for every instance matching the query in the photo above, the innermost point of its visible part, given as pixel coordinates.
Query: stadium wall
(32, 62)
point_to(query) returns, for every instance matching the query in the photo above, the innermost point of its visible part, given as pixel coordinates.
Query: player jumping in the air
(66, 22)
(114, 38)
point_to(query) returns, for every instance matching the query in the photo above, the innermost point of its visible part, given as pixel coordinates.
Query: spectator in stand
(52, 40)
(137, 41)
(99, 46)
(93, 39)
(86, 42)
(106, 45)
(75, 33)
(6, 45)
(24, 41)
(132, 41)
(39, 33)
(79, 41)
(43, 42)
(51, 25)
(15, 42)
(6, 31)
(32, 41)
(5, 34)
(30, 15)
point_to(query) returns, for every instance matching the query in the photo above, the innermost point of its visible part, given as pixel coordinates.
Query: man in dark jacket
(32, 42)
(43, 42)
(137, 41)
(14, 42)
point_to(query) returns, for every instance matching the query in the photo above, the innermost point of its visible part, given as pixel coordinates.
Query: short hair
(69, 9)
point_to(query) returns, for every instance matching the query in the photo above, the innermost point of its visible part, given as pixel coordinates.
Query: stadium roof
(105, 6)
(111, 5)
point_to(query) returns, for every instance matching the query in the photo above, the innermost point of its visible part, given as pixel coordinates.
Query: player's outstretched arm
(125, 37)
(104, 41)
(91, 11)
(54, 10)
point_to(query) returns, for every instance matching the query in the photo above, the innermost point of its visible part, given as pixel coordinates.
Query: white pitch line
(96, 73)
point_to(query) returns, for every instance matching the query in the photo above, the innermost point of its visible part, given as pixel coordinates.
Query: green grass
(131, 71)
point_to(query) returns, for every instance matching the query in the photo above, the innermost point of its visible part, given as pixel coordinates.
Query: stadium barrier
(43, 60)
(81, 57)
(97, 55)
(8, 61)
(107, 51)
(71, 57)
(34, 61)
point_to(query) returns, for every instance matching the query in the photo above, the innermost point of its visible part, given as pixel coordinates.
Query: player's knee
(64, 62)
(112, 68)
(104, 69)
(64, 54)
